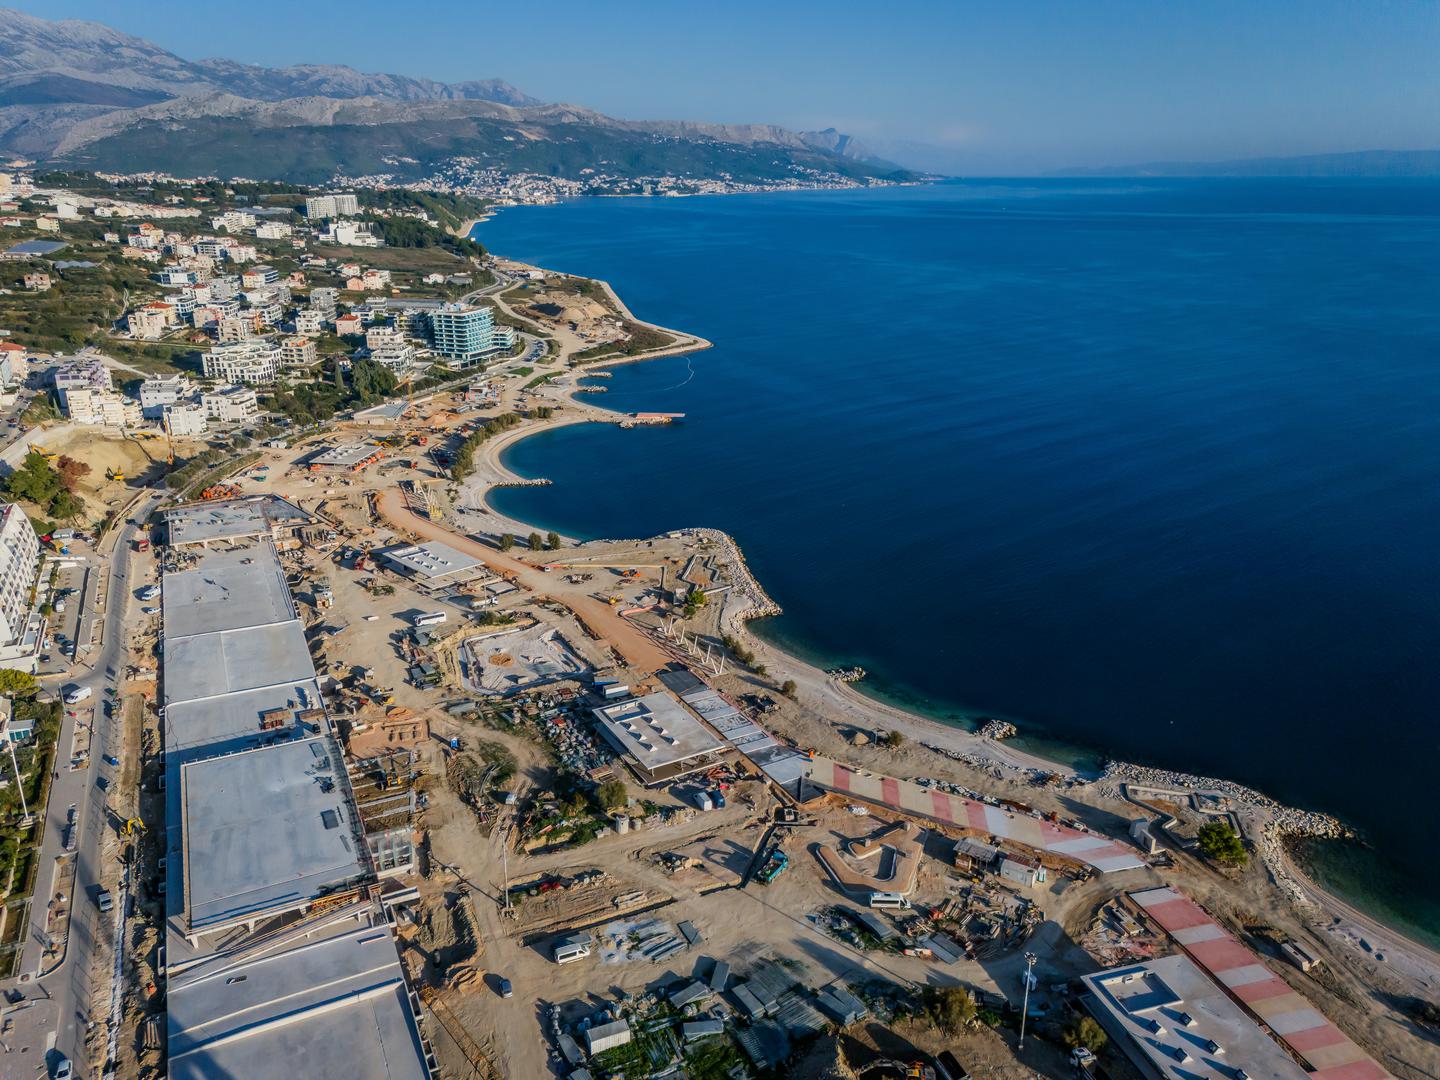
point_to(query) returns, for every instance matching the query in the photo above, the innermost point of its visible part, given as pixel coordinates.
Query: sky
(959, 86)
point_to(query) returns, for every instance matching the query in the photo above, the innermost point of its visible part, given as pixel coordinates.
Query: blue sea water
(1150, 467)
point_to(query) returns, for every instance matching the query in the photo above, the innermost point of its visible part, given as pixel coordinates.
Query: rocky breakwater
(752, 600)
(1270, 824)
(997, 729)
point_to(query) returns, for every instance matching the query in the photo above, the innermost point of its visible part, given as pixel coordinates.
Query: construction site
(605, 843)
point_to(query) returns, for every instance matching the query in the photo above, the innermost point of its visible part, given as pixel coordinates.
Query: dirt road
(641, 654)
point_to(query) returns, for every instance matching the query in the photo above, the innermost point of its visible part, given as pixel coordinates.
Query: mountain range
(85, 95)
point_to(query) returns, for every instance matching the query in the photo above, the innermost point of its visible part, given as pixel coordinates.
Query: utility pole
(505, 865)
(1030, 959)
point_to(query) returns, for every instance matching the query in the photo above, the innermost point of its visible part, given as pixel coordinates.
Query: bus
(888, 900)
(430, 618)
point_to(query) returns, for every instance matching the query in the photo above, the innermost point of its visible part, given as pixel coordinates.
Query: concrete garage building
(351, 457)
(1175, 1024)
(266, 832)
(337, 1008)
(659, 738)
(225, 521)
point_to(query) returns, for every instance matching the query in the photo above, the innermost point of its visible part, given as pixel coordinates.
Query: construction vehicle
(131, 827)
(145, 434)
(775, 863)
(114, 474)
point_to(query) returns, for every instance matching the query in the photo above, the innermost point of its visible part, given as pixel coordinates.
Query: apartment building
(160, 391)
(309, 323)
(104, 407)
(231, 404)
(462, 333)
(255, 361)
(183, 420)
(80, 375)
(331, 206)
(19, 552)
(150, 321)
(298, 352)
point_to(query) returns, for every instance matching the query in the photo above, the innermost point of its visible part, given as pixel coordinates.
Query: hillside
(81, 94)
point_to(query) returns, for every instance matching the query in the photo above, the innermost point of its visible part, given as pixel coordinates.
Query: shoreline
(840, 700)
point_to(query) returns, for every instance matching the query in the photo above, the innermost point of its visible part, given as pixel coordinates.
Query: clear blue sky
(1002, 86)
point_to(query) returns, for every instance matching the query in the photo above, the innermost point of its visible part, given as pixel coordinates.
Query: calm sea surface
(1150, 467)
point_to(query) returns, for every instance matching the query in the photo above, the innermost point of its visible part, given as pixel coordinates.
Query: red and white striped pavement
(1103, 854)
(1323, 1047)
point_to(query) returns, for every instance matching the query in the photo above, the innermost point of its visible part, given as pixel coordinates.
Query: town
(315, 756)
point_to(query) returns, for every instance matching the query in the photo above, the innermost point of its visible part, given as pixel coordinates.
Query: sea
(1149, 467)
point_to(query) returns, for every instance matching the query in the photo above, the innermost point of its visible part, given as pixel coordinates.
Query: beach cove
(780, 391)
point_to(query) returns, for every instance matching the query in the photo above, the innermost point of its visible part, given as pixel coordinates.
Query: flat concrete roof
(655, 730)
(230, 590)
(332, 1009)
(431, 560)
(1162, 1008)
(266, 831)
(226, 724)
(386, 410)
(228, 519)
(208, 665)
(345, 455)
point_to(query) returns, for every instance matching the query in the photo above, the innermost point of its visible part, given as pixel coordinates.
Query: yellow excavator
(132, 827)
(114, 474)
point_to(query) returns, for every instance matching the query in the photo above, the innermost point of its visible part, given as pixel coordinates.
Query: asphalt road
(61, 1000)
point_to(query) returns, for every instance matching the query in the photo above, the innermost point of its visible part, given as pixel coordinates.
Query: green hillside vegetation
(226, 146)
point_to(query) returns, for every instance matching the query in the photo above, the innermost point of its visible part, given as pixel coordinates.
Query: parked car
(506, 990)
(77, 695)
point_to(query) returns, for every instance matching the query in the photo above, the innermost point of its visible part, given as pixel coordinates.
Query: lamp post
(1030, 959)
(26, 820)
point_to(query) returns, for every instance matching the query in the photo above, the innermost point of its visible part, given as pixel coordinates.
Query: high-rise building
(329, 206)
(463, 334)
(19, 551)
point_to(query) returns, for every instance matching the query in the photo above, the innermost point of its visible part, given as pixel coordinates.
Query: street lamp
(26, 820)
(1030, 959)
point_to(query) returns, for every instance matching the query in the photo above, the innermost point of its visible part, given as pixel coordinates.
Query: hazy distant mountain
(1373, 163)
(85, 94)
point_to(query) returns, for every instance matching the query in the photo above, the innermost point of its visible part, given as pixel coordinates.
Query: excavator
(132, 827)
(114, 474)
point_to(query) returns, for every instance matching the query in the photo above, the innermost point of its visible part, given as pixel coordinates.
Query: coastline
(1275, 824)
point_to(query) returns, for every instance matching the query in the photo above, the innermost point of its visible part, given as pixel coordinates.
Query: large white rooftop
(655, 730)
(202, 522)
(335, 1008)
(431, 560)
(1177, 1024)
(265, 831)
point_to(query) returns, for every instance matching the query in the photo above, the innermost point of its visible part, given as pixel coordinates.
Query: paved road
(60, 1000)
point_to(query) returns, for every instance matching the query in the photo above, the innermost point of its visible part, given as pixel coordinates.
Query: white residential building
(309, 322)
(150, 321)
(298, 352)
(105, 407)
(19, 552)
(161, 391)
(330, 206)
(273, 230)
(231, 404)
(351, 234)
(80, 375)
(14, 364)
(187, 420)
(254, 361)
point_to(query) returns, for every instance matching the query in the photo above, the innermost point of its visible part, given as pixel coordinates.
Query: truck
(702, 800)
(718, 798)
(142, 545)
(104, 901)
(775, 863)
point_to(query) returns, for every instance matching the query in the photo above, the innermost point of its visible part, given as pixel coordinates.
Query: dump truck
(775, 863)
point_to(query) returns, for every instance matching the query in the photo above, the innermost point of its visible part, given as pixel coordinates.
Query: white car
(64, 1070)
(79, 694)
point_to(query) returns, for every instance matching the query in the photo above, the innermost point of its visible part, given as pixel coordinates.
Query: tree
(949, 1008)
(16, 683)
(35, 481)
(66, 506)
(507, 541)
(71, 471)
(788, 688)
(535, 542)
(612, 795)
(894, 740)
(552, 540)
(1220, 842)
(1084, 1031)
